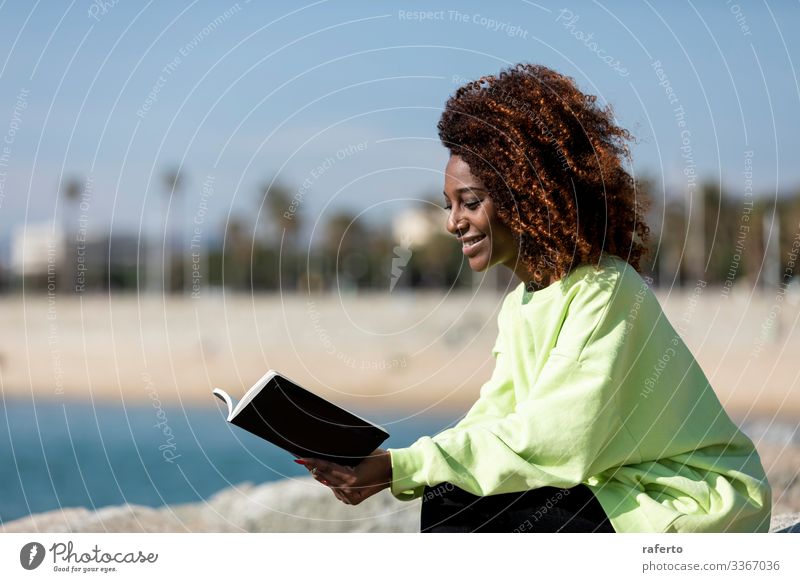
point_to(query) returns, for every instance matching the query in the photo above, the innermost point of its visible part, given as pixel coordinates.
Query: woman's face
(485, 241)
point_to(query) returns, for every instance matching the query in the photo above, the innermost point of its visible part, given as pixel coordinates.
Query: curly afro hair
(552, 161)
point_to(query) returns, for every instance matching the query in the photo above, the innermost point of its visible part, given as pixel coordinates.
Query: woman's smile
(470, 244)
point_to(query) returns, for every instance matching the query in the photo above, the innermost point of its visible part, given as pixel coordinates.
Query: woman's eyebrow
(465, 190)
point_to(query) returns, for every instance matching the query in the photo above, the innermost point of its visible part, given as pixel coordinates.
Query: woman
(597, 416)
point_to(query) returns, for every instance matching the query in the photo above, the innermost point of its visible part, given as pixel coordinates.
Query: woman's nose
(455, 222)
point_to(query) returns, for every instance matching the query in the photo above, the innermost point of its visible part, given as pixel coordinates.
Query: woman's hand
(352, 485)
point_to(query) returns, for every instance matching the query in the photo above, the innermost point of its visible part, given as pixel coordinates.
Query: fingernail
(300, 461)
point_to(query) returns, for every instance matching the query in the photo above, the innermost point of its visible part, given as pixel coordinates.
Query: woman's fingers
(342, 480)
(333, 473)
(356, 496)
(347, 497)
(350, 496)
(312, 465)
(338, 494)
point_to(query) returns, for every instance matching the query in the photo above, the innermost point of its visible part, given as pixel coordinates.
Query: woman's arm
(353, 485)
(496, 398)
(557, 439)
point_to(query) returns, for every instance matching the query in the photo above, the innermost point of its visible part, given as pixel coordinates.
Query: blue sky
(282, 88)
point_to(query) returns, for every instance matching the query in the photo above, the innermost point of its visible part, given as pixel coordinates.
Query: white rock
(786, 523)
(291, 505)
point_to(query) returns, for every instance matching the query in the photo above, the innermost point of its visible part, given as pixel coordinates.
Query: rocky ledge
(292, 505)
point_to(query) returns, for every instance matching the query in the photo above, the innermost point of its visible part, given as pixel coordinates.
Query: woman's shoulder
(611, 277)
(590, 286)
(602, 302)
(605, 292)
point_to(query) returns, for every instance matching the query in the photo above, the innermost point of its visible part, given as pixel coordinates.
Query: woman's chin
(478, 264)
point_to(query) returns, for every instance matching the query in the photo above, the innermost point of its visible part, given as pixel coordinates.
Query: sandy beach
(411, 351)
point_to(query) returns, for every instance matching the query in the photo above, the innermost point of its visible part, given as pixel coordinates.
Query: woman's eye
(470, 205)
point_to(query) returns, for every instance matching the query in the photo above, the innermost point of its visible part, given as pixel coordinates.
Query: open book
(302, 423)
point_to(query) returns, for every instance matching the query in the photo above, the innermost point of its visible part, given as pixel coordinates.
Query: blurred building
(36, 249)
(416, 226)
(44, 256)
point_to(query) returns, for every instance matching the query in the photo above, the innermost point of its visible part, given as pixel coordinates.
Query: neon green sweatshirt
(593, 385)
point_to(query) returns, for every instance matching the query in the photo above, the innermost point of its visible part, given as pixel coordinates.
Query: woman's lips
(473, 249)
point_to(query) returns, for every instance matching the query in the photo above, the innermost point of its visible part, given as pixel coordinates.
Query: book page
(255, 389)
(222, 395)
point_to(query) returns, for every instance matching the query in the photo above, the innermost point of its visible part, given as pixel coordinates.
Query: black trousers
(449, 509)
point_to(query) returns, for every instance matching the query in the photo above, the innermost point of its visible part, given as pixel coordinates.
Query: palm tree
(173, 181)
(72, 189)
(286, 220)
(347, 249)
(236, 250)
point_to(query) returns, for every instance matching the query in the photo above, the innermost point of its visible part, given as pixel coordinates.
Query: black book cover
(303, 423)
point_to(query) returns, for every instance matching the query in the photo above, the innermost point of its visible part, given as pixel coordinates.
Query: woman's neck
(528, 277)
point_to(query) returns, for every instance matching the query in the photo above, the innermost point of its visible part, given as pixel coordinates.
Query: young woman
(597, 417)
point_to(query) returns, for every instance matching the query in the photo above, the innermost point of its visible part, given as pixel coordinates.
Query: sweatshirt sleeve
(495, 401)
(555, 439)
(496, 397)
